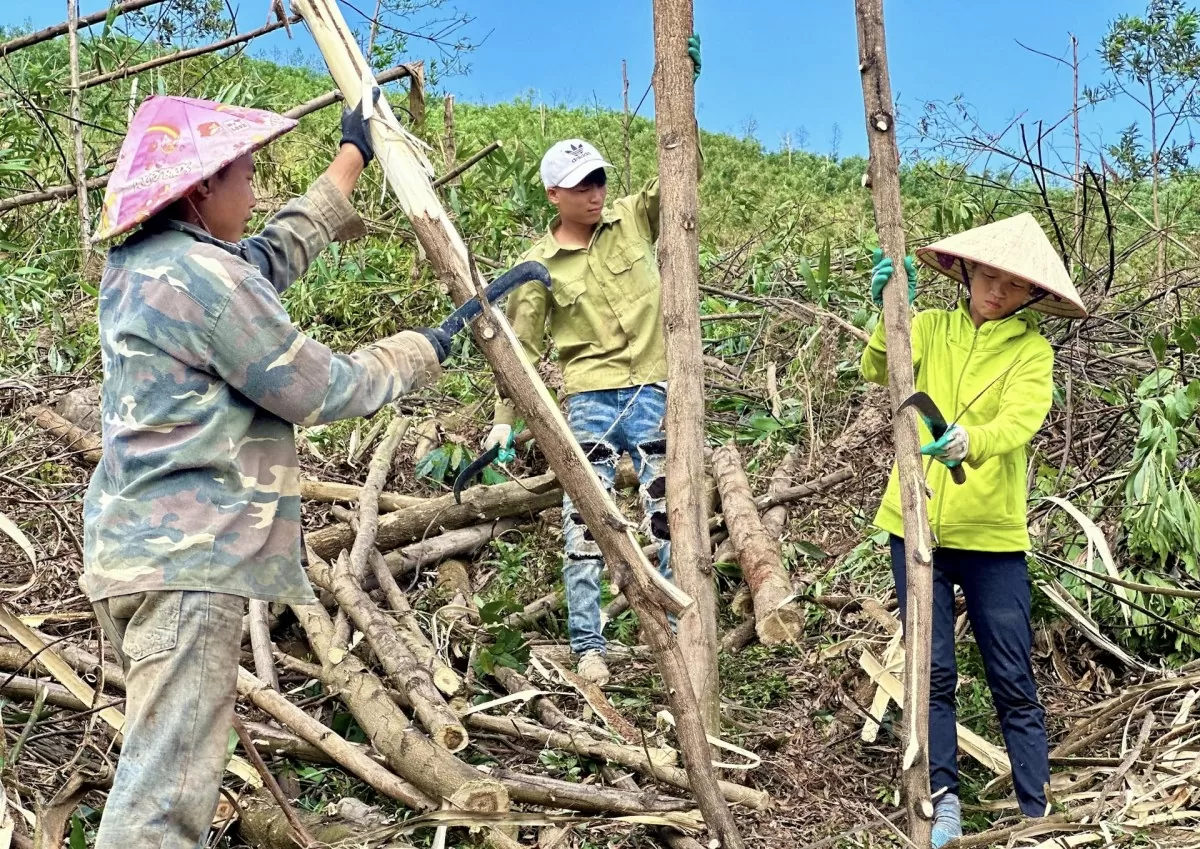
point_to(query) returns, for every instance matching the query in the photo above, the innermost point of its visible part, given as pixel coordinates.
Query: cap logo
(576, 152)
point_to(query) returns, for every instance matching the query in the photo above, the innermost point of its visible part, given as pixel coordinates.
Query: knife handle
(958, 474)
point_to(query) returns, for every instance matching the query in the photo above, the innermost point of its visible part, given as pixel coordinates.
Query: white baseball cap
(568, 162)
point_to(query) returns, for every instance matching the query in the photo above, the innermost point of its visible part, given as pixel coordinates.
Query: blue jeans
(995, 586)
(607, 423)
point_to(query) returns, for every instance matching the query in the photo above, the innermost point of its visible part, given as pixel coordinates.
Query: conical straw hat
(1018, 246)
(173, 145)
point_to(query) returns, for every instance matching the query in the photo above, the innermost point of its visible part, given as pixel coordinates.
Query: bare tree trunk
(776, 619)
(679, 265)
(260, 644)
(885, 195)
(81, 192)
(449, 140)
(407, 172)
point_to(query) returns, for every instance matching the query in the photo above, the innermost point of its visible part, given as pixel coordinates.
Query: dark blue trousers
(996, 588)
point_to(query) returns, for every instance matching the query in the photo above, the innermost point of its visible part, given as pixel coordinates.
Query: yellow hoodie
(1003, 371)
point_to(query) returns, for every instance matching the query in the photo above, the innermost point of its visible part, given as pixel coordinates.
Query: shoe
(947, 820)
(593, 668)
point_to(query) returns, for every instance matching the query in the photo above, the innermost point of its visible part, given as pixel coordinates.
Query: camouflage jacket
(204, 377)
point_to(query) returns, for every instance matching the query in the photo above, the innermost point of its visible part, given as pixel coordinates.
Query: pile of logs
(406, 675)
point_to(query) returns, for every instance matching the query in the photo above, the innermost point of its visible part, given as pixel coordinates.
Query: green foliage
(506, 646)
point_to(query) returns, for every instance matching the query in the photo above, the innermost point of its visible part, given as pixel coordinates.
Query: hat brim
(575, 175)
(1052, 304)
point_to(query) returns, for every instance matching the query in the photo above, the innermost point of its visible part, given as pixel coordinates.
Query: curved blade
(937, 425)
(526, 272)
(474, 470)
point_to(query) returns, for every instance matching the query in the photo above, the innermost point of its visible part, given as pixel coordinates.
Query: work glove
(439, 339)
(500, 434)
(947, 820)
(693, 49)
(881, 273)
(951, 449)
(355, 130)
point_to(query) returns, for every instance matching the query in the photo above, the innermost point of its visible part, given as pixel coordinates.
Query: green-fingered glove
(881, 273)
(951, 449)
(693, 49)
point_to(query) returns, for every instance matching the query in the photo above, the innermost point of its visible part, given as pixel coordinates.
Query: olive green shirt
(603, 306)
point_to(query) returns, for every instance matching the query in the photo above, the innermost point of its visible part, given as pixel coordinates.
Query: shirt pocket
(630, 266)
(567, 292)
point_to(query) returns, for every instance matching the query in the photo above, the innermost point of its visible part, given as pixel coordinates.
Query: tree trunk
(776, 620)
(260, 643)
(402, 668)
(524, 497)
(885, 195)
(449, 141)
(679, 267)
(653, 596)
(81, 192)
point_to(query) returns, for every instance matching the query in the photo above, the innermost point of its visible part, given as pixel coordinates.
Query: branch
(23, 41)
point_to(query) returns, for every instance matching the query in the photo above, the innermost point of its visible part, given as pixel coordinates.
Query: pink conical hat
(174, 144)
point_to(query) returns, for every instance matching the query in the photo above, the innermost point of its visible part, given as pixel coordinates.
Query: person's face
(226, 200)
(996, 294)
(581, 204)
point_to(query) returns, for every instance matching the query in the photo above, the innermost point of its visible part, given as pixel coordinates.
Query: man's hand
(439, 339)
(500, 434)
(951, 449)
(355, 130)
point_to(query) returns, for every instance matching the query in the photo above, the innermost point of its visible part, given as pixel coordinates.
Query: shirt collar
(550, 245)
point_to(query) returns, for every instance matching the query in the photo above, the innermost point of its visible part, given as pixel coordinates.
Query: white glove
(956, 445)
(498, 435)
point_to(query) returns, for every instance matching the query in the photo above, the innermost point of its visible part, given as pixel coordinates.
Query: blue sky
(777, 66)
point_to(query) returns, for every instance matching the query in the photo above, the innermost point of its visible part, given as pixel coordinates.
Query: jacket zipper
(954, 412)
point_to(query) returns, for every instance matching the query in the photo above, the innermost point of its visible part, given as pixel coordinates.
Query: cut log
(444, 677)
(260, 643)
(409, 752)
(328, 492)
(263, 825)
(884, 179)
(457, 543)
(776, 619)
(368, 501)
(452, 579)
(514, 498)
(402, 668)
(352, 758)
(653, 763)
(76, 438)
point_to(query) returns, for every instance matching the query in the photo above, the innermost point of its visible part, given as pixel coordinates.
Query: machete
(505, 453)
(936, 423)
(526, 272)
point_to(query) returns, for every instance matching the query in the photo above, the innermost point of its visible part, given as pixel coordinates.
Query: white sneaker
(593, 668)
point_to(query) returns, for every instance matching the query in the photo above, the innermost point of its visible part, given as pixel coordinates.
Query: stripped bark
(412, 679)
(885, 195)
(776, 619)
(514, 498)
(679, 267)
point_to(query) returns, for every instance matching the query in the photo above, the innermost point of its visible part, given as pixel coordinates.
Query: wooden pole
(918, 630)
(679, 266)
(81, 192)
(30, 39)
(407, 172)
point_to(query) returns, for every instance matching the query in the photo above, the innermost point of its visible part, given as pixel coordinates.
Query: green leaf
(823, 268)
(78, 838)
(812, 551)
(1158, 347)
(807, 273)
